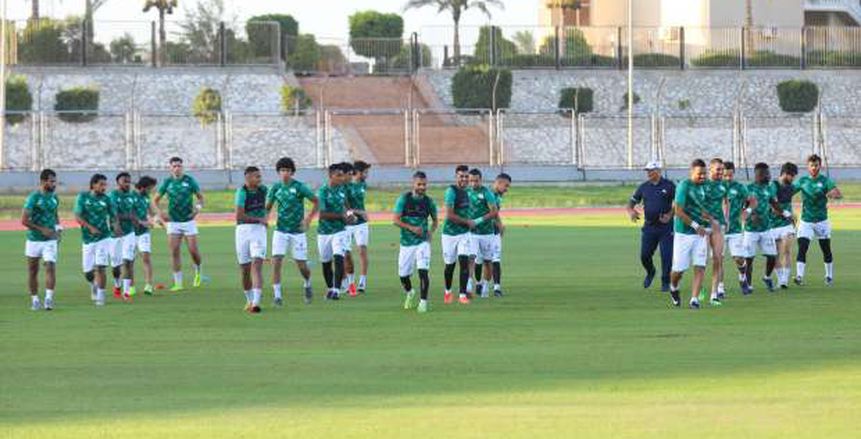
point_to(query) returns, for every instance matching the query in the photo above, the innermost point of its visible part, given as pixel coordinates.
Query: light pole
(3, 85)
(630, 84)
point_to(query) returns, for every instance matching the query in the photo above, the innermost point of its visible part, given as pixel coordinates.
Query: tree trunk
(34, 11)
(162, 39)
(456, 42)
(748, 24)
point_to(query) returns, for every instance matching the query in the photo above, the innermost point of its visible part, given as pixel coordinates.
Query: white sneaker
(100, 299)
(35, 305)
(49, 304)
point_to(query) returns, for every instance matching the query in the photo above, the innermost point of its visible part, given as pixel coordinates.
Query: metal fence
(420, 137)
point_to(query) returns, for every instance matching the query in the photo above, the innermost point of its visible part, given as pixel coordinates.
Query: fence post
(84, 42)
(490, 137)
(222, 43)
(153, 46)
(803, 47)
(417, 53)
(276, 42)
(573, 136)
(681, 47)
(445, 55)
(558, 49)
(620, 63)
(741, 53)
(492, 49)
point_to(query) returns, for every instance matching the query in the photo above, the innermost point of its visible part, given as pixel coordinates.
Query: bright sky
(324, 18)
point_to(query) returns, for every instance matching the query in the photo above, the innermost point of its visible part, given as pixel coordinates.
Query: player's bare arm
(416, 230)
(455, 218)
(26, 222)
(680, 212)
(633, 213)
(834, 194)
(315, 209)
(243, 218)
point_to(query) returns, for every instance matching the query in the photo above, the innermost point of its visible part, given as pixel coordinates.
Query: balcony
(850, 8)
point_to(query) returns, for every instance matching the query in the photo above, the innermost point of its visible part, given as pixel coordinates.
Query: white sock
(786, 273)
(350, 278)
(34, 298)
(197, 269)
(713, 295)
(276, 289)
(116, 283)
(799, 269)
(695, 300)
(248, 297)
(423, 301)
(721, 288)
(127, 285)
(255, 296)
(462, 296)
(829, 270)
(448, 291)
(177, 278)
(412, 291)
(100, 295)
(307, 282)
(49, 294)
(362, 281)
(497, 287)
(469, 285)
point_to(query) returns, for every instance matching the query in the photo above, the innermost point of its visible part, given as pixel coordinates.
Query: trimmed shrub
(625, 100)
(207, 106)
(18, 99)
(332, 59)
(797, 96)
(823, 58)
(717, 59)
(472, 87)
(303, 54)
(656, 60)
(42, 42)
(294, 98)
(574, 45)
(260, 38)
(578, 98)
(771, 59)
(375, 34)
(502, 48)
(761, 58)
(78, 104)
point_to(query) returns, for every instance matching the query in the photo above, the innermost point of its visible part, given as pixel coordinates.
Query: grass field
(576, 349)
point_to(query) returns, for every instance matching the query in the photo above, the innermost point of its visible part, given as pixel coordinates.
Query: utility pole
(630, 84)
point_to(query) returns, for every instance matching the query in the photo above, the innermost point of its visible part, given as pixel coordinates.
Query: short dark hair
(814, 158)
(334, 167)
(789, 168)
(715, 161)
(251, 170)
(761, 166)
(146, 181)
(420, 174)
(46, 174)
(175, 159)
(347, 167)
(729, 166)
(123, 174)
(504, 176)
(361, 166)
(97, 178)
(475, 171)
(461, 168)
(285, 163)
(698, 163)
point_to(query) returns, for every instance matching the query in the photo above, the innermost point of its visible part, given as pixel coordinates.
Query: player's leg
(144, 244)
(50, 283)
(256, 283)
(280, 242)
(789, 241)
(496, 266)
(174, 243)
(362, 237)
(716, 240)
(682, 246)
(828, 257)
(245, 281)
(324, 249)
(102, 260)
(243, 259)
(33, 282)
(666, 244)
(339, 248)
(649, 241)
(194, 250)
(116, 260)
(449, 258)
(769, 249)
(347, 283)
(699, 259)
(465, 263)
(299, 249)
(805, 235)
(406, 266)
(128, 250)
(423, 256)
(88, 263)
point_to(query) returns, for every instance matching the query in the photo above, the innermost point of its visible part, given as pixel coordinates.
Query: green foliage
(625, 100)
(369, 31)
(574, 45)
(78, 104)
(502, 47)
(717, 59)
(332, 59)
(578, 98)
(124, 49)
(771, 59)
(42, 42)
(262, 37)
(684, 104)
(830, 58)
(403, 59)
(656, 60)
(207, 106)
(798, 96)
(472, 87)
(18, 98)
(732, 58)
(294, 98)
(303, 53)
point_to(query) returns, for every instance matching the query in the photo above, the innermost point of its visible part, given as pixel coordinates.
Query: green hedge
(303, 53)
(823, 58)
(472, 87)
(578, 98)
(78, 104)
(762, 58)
(207, 106)
(798, 96)
(18, 98)
(293, 97)
(656, 60)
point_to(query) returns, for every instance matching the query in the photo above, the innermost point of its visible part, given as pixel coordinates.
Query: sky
(323, 18)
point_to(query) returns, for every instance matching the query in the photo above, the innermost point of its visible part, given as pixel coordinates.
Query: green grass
(576, 349)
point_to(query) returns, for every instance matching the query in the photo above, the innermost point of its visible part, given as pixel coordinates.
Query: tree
(201, 29)
(164, 7)
(123, 49)
(457, 8)
(376, 35)
(748, 24)
(525, 42)
(42, 42)
(502, 48)
(260, 37)
(304, 53)
(34, 10)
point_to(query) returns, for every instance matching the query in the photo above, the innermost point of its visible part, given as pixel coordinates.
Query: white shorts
(689, 250)
(820, 230)
(782, 232)
(96, 254)
(145, 243)
(735, 242)
(358, 234)
(123, 249)
(329, 246)
(297, 243)
(414, 257)
(496, 252)
(481, 246)
(454, 246)
(764, 241)
(46, 250)
(188, 228)
(250, 242)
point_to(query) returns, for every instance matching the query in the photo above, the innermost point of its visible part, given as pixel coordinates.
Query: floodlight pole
(3, 86)
(630, 84)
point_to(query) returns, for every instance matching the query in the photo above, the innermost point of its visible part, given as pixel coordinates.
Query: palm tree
(457, 8)
(164, 7)
(748, 24)
(34, 10)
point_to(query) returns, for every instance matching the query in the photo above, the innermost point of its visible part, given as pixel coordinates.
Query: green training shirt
(180, 193)
(290, 198)
(141, 209)
(457, 199)
(356, 197)
(252, 200)
(760, 219)
(691, 198)
(783, 193)
(98, 210)
(497, 221)
(332, 200)
(814, 199)
(737, 197)
(716, 192)
(415, 211)
(124, 203)
(43, 212)
(480, 201)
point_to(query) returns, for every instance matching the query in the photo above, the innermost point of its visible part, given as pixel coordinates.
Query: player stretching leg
(95, 212)
(737, 200)
(500, 188)
(182, 210)
(124, 244)
(251, 218)
(412, 210)
(816, 189)
(716, 194)
(483, 214)
(143, 212)
(783, 224)
(331, 231)
(290, 195)
(757, 225)
(358, 232)
(455, 234)
(43, 232)
(690, 240)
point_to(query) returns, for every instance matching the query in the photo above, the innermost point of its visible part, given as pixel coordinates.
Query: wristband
(787, 214)
(749, 210)
(479, 221)
(695, 225)
(198, 206)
